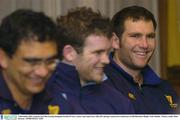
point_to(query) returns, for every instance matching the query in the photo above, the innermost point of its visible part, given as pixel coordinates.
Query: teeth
(141, 53)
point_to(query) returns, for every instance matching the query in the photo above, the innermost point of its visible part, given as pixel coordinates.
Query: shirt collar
(71, 73)
(6, 94)
(150, 77)
(4, 91)
(93, 83)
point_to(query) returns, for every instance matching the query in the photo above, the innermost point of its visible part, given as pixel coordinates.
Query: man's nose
(42, 70)
(105, 58)
(144, 42)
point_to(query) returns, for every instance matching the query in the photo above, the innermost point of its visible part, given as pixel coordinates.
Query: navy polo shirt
(91, 98)
(154, 96)
(43, 103)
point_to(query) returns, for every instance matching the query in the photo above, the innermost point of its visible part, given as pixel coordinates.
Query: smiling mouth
(142, 54)
(37, 81)
(100, 69)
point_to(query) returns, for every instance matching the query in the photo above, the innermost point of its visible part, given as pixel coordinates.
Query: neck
(21, 98)
(138, 79)
(136, 74)
(23, 101)
(82, 81)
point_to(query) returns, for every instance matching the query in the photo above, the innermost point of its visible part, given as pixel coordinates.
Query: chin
(99, 80)
(36, 90)
(139, 67)
(140, 64)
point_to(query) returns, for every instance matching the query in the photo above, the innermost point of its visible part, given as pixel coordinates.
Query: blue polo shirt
(43, 103)
(154, 96)
(91, 98)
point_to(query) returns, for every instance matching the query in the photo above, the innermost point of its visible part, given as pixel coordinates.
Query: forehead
(35, 48)
(95, 41)
(138, 25)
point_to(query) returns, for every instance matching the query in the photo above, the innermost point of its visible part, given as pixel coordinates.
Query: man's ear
(69, 53)
(3, 59)
(115, 41)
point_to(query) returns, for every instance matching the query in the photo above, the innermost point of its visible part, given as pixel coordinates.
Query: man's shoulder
(111, 93)
(5, 106)
(50, 102)
(166, 86)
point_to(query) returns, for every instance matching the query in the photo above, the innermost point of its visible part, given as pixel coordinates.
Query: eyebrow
(33, 59)
(152, 34)
(140, 33)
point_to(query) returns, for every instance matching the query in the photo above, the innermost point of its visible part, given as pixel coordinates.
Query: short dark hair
(78, 24)
(133, 12)
(24, 25)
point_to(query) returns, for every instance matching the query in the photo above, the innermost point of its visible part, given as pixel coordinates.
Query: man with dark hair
(86, 39)
(28, 56)
(134, 43)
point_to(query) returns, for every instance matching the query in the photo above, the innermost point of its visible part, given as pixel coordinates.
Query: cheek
(84, 66)
(18, 69)
(24, 72)
(16, 76)
(93, 62)
(152, 45)
(125, 49)
(85, 61)
(95, 59)
(25, 69)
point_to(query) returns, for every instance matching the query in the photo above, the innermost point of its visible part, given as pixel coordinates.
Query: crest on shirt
(6, 111)
(170, 100)
(53, 109)
(131, 96)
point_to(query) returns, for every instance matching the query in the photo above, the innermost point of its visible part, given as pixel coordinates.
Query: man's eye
(33, 63)
(99, 52)
(136, 36)
(50, 62)
(151, 36)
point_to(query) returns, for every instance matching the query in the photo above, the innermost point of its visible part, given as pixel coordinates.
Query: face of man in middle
(91, 61)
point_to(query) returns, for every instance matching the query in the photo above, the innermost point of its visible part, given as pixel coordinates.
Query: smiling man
(134, 42)
(86, 39)
(28, 56)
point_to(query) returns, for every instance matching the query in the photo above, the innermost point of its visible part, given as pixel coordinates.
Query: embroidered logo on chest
(54, 109)
(6, 111)
(170, 100)
(131, 96)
